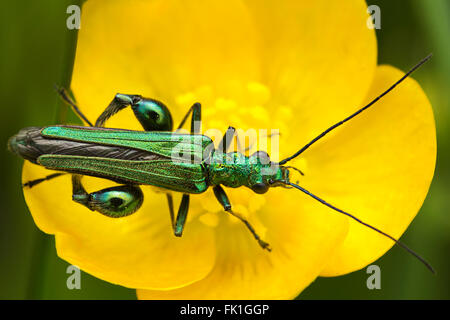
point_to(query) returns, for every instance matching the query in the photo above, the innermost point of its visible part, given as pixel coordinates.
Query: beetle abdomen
(30, 144)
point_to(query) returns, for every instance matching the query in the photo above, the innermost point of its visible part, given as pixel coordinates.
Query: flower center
(249, 109)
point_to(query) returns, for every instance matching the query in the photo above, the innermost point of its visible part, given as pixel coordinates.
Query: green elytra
(159, 165)
(229, 169)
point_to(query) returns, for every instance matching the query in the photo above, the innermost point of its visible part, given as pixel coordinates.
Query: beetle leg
(240, 146)
(181, 216)
(225, 202)
(252, 144)
(178, 225)
(152, 114)
(196, 110)
(32, 183)
(120, 101)
(171, 211)
(227, 139)
(114, 202)
(67, 99)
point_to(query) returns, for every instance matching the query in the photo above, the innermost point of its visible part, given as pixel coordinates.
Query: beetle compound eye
(117, 202)
(260, 188)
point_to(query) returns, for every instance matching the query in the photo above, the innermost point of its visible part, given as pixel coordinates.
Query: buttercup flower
(296, 66)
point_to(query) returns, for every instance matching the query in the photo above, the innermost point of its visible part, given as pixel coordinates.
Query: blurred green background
(36, 51)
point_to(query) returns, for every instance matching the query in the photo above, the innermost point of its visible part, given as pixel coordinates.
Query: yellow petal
(137, 251)
(378, 167)
(161, 49)
(318, 58)
(302, 235)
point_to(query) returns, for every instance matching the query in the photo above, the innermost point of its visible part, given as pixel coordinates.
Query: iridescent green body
(234, 170)
(185, 163)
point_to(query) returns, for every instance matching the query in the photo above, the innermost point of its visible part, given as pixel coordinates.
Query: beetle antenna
(365, 224)
(357, 112)
(294, 168)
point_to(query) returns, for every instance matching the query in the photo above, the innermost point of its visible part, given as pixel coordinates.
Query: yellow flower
(297, 66)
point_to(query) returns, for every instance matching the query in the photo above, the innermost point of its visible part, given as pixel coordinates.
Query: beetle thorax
(229, 169)
(235, 170)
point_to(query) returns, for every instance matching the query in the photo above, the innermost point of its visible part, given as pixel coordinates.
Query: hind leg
(114, 202)
(66, 98)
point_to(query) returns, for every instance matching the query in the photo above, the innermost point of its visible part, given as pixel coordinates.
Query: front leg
(196, 119)
(225, 143)
(66, 98)
(225, 202)
(228, 137)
